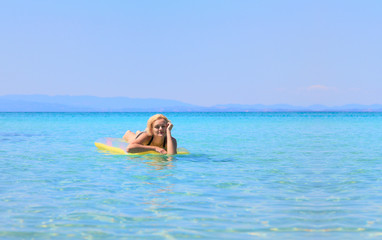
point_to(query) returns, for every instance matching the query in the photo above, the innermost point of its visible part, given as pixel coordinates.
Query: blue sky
(200, 52)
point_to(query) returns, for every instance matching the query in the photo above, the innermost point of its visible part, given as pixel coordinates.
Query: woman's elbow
(129, 148)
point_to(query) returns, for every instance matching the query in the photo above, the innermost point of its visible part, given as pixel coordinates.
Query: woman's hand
(169, 126)
(160, 150)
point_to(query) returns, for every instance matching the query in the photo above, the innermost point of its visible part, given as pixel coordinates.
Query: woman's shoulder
(143, 137)
(139, 134)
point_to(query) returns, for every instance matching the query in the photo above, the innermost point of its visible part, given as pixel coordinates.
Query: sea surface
(249, 176)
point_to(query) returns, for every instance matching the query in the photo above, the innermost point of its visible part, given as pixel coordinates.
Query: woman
(157, 137)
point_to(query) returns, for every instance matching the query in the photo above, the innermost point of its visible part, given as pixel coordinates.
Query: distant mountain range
(45, 103)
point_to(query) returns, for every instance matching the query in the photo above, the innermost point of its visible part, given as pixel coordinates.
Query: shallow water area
(249, 176)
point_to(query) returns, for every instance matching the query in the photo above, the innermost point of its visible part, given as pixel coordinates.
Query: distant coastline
(45, 103)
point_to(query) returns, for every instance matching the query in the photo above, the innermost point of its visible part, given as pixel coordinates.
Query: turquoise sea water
(249, 176)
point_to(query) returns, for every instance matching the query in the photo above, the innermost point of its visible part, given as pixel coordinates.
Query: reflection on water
(157, 196)
(158, 186)
(159, 162)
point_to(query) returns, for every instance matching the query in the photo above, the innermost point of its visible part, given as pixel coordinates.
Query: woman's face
(159, 127)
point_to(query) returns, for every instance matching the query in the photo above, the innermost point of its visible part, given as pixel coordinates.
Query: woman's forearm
(137, 148)
(171, 144)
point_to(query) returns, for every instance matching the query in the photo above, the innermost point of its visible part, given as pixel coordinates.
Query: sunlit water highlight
(249, 176)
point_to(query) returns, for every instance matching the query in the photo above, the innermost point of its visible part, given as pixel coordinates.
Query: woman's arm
(171, 142)
(138, 146)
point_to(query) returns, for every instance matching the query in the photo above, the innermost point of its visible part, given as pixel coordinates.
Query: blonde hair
(151, 121)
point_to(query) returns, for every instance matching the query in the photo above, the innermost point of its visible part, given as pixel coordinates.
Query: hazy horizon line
(197, 105)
